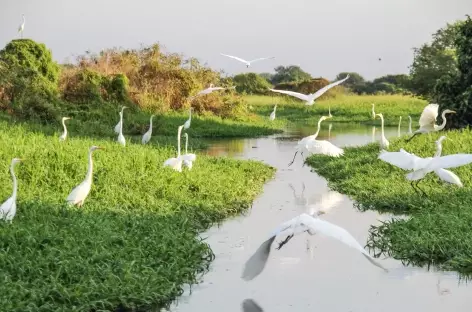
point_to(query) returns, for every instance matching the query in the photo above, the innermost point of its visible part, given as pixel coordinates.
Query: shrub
(251, 83)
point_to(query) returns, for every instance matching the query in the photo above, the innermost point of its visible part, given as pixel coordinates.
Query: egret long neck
(186, 143)
(319, 126)
(409, 125)
(150, 125)
(190, 115)
(443, 115)
(178, 141)
(438, 149)
(121, 123)
(64, 126)
(382, 125)
(13, 177)
(88, 177)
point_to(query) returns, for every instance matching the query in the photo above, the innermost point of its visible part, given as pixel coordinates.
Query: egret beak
(453, 112)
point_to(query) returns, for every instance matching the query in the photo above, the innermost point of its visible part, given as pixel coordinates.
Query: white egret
(301, 145)
(21, 28)
(383, 140)
(310, 98)
(121, 138)
(189, 120)
(81, 191)
(399, 127)
(249, 305)
(211, 89)
(329, 131)
(300, 224)
(272, 115)
(373, 111)
(64, 133)
(119, 124)
(8, 208)
(324, 147)
(409, 124)
(147, 135)
(188, 159)
(176, 162)
(428, 120)
(373, 134)
(329, 112)
(248, 63)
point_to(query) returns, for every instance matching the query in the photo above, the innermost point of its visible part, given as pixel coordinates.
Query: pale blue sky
(323, 37)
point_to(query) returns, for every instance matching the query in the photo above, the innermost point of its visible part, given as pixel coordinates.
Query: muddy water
(311, 273)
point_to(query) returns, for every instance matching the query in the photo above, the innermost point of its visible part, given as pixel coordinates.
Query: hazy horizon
(323, 38)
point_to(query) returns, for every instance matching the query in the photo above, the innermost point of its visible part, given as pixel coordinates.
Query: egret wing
(234, 57)
(401, 159)
(189, 157)
(448, 176)
(300, 96)
(451, 161)
(262, 58)
(256, 263)
(324, 147)
(428, 116)
(320, 92)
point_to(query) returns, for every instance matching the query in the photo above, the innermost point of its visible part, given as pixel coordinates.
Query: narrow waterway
(311, 273)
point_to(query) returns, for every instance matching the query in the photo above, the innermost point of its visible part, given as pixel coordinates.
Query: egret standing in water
(189, 120)
(272, 115)
(399, 127)
(64, 133)
(121, 138)
(188, 159)
(147, 135)
(383, 140)
(8, 208)
(409, 125)
(428, 120)
(21, 28)
(81, 191)
(176, 162)
(120, 123)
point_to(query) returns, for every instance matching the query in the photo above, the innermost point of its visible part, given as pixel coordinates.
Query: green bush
(251, 83)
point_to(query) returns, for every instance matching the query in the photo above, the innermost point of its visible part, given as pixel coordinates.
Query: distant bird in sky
(248, 63)
(310, 98)
(21, 28)
(380, 59)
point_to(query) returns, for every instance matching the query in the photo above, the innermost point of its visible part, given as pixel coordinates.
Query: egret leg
(413, 186)
(285, 241)
(290, 163)
(424, 193)
(303, 157)
(414, 134)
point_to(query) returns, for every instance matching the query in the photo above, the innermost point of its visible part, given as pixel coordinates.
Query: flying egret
(8, 208)
(21, 28)
(399, 127)
(383, 140)
(176, 162)
(119, 124)
(249, 305)
(189, 120)
(373, 111)
(147, 135)
(428, 120)
(301, 145)
(272, 115)
(420, 167)
(248, 63)
(300, 224)
(81, 191)
(188, 159)
(409, 124)
(64, 134)
(310, 98)
(121, 138)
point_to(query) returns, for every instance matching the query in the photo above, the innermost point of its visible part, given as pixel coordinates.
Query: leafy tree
(251, 83)
(290, 73)
(267, 76)
(435, 60)
(354, 82)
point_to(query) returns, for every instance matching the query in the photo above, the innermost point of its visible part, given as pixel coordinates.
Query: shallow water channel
(328, 276)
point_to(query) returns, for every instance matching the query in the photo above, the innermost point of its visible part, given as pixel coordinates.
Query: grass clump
(437, 231)
(344, 108)
(135, 242)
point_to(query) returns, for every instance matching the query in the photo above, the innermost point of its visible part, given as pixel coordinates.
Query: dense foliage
(251, 83)
(290, 73)
(389, 84)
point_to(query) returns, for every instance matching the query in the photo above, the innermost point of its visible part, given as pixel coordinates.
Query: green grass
(438, 231)
(344, 108)
(134, 244)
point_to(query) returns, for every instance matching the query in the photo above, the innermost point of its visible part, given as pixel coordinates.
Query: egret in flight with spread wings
(189, 120)
(300, 224)
(81, 191)
(420, 167)
(409, 125)
(147, 135)
(428, 120)
(176, 162)
(301, 145)
(119, 124)
(324, 147)
(329, 112)
(64, 133)
(248, 63)
(272, 115)
(310, 98)
(188, 159)
(8, 208)
(383, 140)
(249, 305)
(21, 28)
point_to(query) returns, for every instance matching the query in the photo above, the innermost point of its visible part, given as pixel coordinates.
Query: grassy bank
(438, 231)
(133, 245)
(344, 108)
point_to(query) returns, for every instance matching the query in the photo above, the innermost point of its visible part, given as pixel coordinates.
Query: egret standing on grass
(248, 63)
(64, 134)
(121, 138)
(409, 125)
(147, 135)
(189, 120)
(329, 112)
(21, 29)
(310, 98)
(383, 140)
(176, 162)
(188, 159)
(428, 120)
(399, 127)
(272, 115)
(300, 224)
(81, 191)
(119, 124)
(8, 208)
